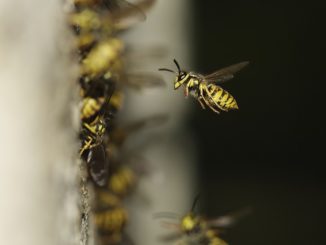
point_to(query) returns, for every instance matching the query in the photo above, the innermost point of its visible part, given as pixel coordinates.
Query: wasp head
(181, 76)
(191, 224)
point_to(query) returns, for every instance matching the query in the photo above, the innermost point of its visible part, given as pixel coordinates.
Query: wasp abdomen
(111, 219)
(223, 98)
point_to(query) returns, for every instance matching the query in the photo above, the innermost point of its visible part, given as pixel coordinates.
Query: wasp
(91, 106)
(97, 99)
(116, 102)
(205, 88)
(195, 229)
(122, 180)
(126, 175)
(104, 62)
(102, 56)
(95, 20)
(92, 141)
(110, 217)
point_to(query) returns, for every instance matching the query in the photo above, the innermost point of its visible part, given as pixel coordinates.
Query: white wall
(38, 196)
(172, 184)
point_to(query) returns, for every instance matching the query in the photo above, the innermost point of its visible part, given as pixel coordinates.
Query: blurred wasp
(111, 220)
(91, 106)
(122, 180)
(98, 100)
(110, 217)
(116, 7)
(125, 176)
(104, 63)
(205, 88)
(195, 229)
(116, 102)
(101, 58)
(95, 20)
(119, 135)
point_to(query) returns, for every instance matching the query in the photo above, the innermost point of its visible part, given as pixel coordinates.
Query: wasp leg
(186, 92)
(203, 87)
(213, 109)
(213, 101)
(87, 145)
(201, 103)
(92, 130)
(216, 104)
(220, 107)
(201, 92)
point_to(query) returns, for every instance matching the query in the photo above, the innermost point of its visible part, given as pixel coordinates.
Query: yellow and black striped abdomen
(111, 220)
(223, 98)
(122, 181)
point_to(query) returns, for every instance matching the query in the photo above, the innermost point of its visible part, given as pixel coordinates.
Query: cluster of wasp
(102, 81)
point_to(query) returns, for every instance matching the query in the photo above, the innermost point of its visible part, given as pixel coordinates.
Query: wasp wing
(126, 14)
(226, 73)
(143, 80)
(149, 122)
(229, 220)
(98, 165)
(170, 237)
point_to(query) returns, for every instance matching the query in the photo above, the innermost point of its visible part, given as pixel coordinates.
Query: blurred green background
(270, 154)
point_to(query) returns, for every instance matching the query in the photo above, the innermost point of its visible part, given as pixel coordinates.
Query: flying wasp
(195, 229)
(206, 89)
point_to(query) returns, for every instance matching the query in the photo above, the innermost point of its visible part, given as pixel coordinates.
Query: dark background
(269, 154)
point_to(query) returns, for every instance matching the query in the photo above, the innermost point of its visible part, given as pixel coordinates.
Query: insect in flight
(206, 89)
(195, 229)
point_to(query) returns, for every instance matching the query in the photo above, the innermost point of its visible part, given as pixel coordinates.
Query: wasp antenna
(170, 225)
(195, 203)
(166, 215)
(177, 64)
(166, 69)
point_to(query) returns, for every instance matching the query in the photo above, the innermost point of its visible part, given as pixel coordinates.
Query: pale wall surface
(38, 195)
(172, 185)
